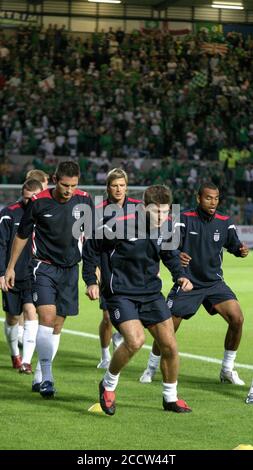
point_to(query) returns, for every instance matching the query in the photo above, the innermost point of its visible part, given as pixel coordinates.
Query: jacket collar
(203, 215)
(113, 202)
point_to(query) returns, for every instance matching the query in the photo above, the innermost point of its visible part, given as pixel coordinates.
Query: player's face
(27, 195)
(65, 188)
(158, 214)
(117, 190)
(209, 200)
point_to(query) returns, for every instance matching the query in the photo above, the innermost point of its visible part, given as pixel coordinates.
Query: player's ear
(198, 199)
(54, 179)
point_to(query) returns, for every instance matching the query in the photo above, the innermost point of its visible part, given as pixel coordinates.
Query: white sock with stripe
(44, 345)
(37, 373)
(29, 340)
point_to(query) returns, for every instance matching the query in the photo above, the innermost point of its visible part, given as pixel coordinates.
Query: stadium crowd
(181, 101)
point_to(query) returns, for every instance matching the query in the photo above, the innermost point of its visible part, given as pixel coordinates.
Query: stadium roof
(248, 4)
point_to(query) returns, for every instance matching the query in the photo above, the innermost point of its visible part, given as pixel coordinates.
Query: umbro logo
(47, 215)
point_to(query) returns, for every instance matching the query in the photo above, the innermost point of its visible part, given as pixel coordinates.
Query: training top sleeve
(6, 222)
(27, 222)
(233, 243)
(171, 260)
(91, 256)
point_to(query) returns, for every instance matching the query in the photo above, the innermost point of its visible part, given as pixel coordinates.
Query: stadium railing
(9, 193)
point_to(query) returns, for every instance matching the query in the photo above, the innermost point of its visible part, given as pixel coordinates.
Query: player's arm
(179, 230)
(171, 259)
(91, 261)
(24, 232)
(6, 222)
(233, 244)
(91, 256)
(16, 250)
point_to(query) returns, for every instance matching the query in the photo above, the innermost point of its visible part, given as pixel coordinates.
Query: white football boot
(148, 375)
(230, 376)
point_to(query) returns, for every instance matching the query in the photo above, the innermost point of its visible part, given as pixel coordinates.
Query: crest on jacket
(216, 236)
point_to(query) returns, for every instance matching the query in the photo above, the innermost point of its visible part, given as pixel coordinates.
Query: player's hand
(9, 279)
(244, 250)
(93, 292)
(185, 284)
(2, 283)
(185, 259)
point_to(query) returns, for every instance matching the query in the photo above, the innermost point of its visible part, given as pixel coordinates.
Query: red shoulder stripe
(79, 192)
(130, 199)
(221, 217)
(190, 214)
(43, 194)
(15, 206)
(126, 217)
(102, 204)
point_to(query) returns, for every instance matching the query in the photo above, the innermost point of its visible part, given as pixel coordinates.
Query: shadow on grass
(68, 364)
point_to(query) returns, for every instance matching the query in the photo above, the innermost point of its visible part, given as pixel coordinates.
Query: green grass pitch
(220, 418)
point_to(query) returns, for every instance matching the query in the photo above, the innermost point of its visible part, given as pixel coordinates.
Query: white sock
(106, 354)
(29, 340)
(11, 333)
(117, 338)
(153, 361)
(170, 392)
(228, 360)
(110, 381)
(251, 388)
(44, 346)
(37, 373)
(20, 333)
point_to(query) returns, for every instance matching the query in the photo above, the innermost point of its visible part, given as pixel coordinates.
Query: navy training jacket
(10, 218)
(130, 265)
(203, 238)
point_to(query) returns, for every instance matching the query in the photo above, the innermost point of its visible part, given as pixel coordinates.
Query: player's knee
(30, 312)
(169, 349)
(135, 344)
(236, 321)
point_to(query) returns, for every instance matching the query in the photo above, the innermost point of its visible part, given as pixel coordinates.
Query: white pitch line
(145, 346)
(195, 357)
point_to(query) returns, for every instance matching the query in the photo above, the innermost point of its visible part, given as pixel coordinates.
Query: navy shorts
(54, 285)
(102, 303)
(122, 309)
(15, 298)
(186, 304)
